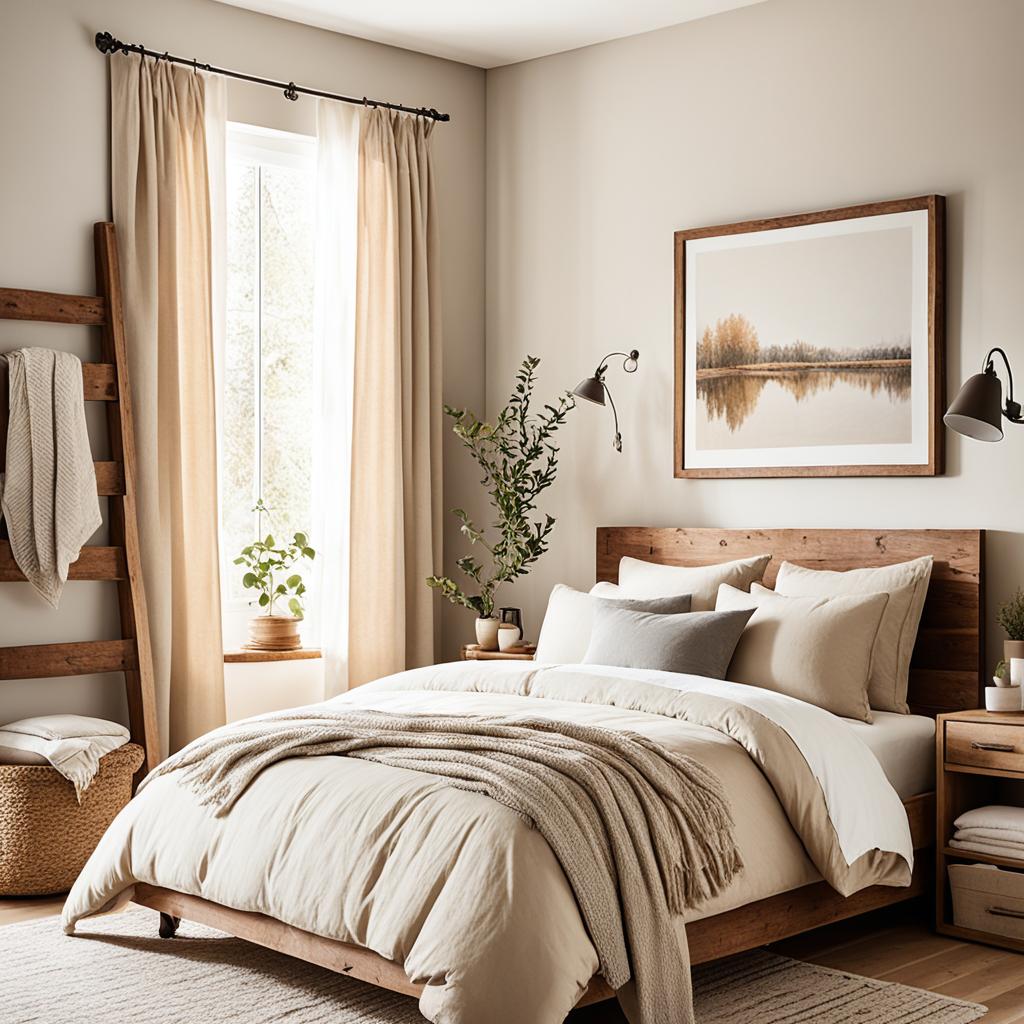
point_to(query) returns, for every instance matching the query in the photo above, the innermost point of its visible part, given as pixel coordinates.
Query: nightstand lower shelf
(979, 762)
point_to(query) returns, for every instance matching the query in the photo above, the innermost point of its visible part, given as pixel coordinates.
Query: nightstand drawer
(981, 745)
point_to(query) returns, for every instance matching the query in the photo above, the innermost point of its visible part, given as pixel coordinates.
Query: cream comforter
(460, 889)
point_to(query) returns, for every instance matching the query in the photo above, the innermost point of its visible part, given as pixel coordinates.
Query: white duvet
(463, 892)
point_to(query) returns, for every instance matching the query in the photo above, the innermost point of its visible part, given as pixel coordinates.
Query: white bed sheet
(904, 746)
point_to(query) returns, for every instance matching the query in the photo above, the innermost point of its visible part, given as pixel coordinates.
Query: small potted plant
(268, 571)
(1011, 617)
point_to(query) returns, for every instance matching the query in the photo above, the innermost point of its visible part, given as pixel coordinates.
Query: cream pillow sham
(815, 648)
(650, 579)
(907, 586)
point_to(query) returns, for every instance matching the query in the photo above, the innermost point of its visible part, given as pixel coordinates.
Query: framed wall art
(812, 345)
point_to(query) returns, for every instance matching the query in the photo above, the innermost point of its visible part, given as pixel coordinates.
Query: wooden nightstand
(980, 761)
(472, 652)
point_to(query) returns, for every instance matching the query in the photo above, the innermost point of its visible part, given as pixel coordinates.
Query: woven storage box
(46, 836)
(988, 899)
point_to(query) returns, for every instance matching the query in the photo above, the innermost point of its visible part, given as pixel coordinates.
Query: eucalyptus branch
(519, 461)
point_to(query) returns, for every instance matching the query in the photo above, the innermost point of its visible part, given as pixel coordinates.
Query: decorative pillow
(815, 648)
(699, 644)
(907, 586)
(565, 631)
(649, 579)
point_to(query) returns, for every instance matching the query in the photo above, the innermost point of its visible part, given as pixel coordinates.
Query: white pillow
(650, 579)
(568, 621)
(817, 649)
(906, 583)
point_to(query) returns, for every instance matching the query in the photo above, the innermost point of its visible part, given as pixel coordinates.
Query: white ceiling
(490, 33)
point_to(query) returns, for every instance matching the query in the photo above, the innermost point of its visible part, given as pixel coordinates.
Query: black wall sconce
(978, 409)
(594, 389)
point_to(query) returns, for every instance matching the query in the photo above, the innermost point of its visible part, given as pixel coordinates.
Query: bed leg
(168, 925)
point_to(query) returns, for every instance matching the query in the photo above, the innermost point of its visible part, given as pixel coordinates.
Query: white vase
(487, 633)
(509, 635)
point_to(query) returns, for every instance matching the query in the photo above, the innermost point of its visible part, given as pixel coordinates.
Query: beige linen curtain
(161, 205)
(395, 528)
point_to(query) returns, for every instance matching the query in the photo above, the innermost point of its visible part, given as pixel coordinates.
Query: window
(266, 371)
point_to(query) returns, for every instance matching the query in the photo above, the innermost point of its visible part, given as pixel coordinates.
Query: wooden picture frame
(921, 387)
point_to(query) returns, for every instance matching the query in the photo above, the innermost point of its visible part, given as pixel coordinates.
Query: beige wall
(54, 183)
(595, 157)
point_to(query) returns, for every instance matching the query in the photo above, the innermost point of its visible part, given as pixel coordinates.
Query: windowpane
(267, 368)
(287, 346)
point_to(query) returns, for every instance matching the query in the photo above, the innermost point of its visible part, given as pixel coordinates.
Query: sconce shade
(976, 411)
(591, 389)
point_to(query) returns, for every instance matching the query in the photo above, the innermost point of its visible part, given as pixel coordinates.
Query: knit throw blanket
(49, 495)
(641, 833)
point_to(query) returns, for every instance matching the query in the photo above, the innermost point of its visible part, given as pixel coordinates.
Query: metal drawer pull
(1006, 748)
(1006, 912)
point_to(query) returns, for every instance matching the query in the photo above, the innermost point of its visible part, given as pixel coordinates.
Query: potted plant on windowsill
(268, 572)
(519, 460)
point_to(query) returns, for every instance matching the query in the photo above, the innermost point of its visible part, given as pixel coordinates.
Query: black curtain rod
(106, 43)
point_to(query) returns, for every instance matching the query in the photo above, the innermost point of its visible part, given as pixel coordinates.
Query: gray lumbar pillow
(698, 643)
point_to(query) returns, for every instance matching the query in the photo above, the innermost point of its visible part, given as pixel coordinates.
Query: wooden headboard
(948, 664)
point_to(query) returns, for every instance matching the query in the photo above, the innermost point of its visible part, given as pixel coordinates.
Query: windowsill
(244, 657)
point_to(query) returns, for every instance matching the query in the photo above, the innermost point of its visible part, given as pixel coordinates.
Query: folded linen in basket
(49, 495)
(73, 744)
(989, 849)
(1000, 816)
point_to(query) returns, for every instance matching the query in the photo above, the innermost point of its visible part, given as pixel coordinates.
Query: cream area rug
(118, 969)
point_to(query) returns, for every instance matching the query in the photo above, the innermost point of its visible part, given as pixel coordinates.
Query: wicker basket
(46, 836)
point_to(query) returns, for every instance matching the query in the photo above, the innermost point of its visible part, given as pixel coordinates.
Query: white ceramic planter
(487, 633)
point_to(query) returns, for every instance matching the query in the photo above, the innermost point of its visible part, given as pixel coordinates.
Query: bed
(782, 896)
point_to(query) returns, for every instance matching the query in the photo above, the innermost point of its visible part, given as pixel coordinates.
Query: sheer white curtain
(337, 193)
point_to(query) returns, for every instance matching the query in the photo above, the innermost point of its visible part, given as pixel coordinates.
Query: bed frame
(946, 675)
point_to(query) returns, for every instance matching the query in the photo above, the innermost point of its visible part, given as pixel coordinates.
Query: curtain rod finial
(106, 43)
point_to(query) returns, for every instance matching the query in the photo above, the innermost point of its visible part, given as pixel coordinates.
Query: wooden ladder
(106, 382)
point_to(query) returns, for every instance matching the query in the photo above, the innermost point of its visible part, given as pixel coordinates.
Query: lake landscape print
(805, 342)
(811, 345)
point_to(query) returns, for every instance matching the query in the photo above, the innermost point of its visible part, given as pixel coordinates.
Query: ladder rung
(99, 382)
(52, 307)
(94, 563)
(38, 661)
(109, 478)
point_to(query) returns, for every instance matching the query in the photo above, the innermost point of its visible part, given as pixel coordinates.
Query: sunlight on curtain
(334, 328)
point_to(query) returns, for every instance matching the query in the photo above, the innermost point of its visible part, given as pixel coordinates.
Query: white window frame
(255, 145)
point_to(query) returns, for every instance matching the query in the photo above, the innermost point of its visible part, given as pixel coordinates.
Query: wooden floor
(894, 945)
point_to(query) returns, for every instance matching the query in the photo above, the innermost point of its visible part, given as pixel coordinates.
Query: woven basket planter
(46, 836)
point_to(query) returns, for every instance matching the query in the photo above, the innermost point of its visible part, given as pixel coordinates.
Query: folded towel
(1013, 853)
(993, 816)
(71, 743)
(998, 836)
(49, 496)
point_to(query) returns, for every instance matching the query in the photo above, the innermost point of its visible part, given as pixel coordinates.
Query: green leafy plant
(1011, 616)
(1002, 670)
(268, 566)
(519, 461)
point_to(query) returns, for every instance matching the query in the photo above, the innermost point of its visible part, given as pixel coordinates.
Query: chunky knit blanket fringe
(641, 833)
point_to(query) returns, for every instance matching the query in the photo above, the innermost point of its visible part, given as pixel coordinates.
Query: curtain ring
(290, 92)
